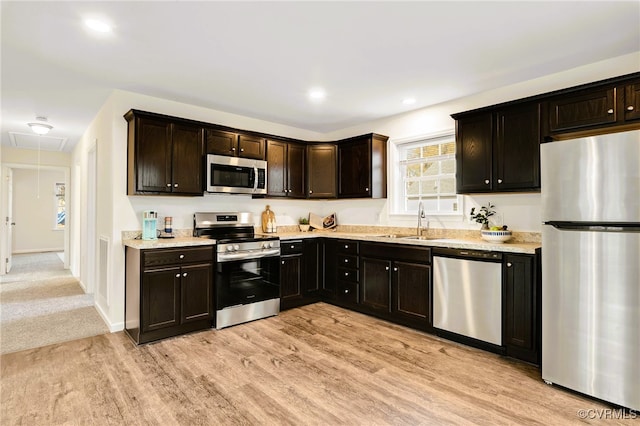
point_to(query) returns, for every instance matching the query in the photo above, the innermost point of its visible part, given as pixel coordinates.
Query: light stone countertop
(463, 243)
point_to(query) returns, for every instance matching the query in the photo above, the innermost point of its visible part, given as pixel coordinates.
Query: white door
(8, 243)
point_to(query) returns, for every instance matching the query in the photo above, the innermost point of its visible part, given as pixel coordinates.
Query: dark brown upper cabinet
(594, 108)
(232, 144)
(164, 156)
(362, 167)
(321, 170)
(498, 151)
(285, 169)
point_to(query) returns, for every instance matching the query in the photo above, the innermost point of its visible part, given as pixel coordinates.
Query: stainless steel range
(247, 267)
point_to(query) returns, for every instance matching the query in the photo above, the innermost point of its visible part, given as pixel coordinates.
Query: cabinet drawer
(348, 292)
(348, 274)
(348, 247)
(161, 257)
(291, 247)
(348, 261)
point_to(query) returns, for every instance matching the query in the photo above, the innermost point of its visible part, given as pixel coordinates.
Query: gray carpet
(41, 303)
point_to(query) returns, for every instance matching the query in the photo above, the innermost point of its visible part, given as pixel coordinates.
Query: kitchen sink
(421, 238)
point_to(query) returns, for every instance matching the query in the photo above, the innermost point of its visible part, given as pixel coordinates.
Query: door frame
(8, 245)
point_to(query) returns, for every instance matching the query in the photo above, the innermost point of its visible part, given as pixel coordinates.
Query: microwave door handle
(255, 178)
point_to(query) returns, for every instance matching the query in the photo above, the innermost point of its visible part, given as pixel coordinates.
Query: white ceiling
(259, 59)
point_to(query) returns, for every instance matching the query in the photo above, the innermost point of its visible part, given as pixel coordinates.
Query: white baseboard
(113, 327)
(41, 250)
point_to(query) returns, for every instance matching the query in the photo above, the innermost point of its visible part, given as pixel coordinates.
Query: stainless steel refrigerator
(591, 266)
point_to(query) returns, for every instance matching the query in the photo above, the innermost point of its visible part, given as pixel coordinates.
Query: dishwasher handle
(490, 256)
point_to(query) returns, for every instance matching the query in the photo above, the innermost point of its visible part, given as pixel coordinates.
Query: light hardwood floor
(316, 365)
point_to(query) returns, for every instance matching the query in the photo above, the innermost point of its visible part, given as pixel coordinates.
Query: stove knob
(236, 247)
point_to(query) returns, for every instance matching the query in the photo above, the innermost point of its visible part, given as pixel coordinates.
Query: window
(59, 206)
(426, 171)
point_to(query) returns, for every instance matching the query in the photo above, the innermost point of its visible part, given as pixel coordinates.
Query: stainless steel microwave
(234, 175)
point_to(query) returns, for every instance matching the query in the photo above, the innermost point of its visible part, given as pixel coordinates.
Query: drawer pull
(283, 262)
(175, 185)
(346, 246)
(184, 275)
(293, 246)
(610, 111)
(346, 291)
(386, 268)
(169, 185)
(233, 149)
(395, 269)
(508, 264)
(346, 261)
(499, 180)
(346, 274)
(630, 108)
(241, 149)
(177, 275)
(486, 181)
(182, 256)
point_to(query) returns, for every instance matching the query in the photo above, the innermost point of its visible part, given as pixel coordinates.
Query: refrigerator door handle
(595, 226)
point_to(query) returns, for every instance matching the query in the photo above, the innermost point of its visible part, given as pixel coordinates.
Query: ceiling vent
(30, 141)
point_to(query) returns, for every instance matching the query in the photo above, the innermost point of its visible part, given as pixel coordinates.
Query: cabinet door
(295, 170)
(632, 102)
(354, 169)
(411, 282)
(221, 143)
(375, 285)
(197, 292)
(474, 138)
(595, 107)
(152, 155)
(321, 171)
(290, 277)
(276, 169)
(312, 267)
(251, 147)
(161, 298)
(188, 159)
(517, 148)
(520, 328)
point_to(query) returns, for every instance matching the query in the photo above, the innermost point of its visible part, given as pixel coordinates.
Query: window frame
(397, 195)
(56, 205)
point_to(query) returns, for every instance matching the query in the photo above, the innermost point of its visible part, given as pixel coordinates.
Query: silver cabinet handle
(366, 189)
(499, 180)
(386, 268)
(486, 181)
(177, 275)
(233, 149)
(395, 269)
(630, 108)
(293, 246)
(175, 185)
(169, 185)
(182, 256)
(346, 274)
(346, 246)
(241, 149)
(283, 262)
(508, 264)
(610, 111)
(310, 192)
(184, 275)
(346, 291)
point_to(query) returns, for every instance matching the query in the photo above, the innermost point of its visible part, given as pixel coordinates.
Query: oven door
(244, 281)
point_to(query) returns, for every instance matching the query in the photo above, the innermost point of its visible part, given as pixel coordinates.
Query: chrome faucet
(421, 215)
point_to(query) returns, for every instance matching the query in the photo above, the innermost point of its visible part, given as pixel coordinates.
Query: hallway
(41, 303)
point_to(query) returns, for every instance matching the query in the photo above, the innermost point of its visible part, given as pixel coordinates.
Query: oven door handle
(255, 178)
(227, 257)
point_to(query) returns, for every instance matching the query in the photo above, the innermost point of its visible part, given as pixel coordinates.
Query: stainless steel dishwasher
(467, 293)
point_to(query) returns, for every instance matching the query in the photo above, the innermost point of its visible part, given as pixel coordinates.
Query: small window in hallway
(60, 206)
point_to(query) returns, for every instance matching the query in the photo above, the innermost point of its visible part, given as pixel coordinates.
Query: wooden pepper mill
(268, 221)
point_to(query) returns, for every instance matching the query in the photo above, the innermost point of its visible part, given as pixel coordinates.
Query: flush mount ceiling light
(317, 94)
(40, 127)
(97, 25)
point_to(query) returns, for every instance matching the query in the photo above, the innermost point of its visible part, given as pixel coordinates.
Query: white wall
(34, 211)
(118, 212)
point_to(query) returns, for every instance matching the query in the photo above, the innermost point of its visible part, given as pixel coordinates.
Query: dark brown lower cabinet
(376, 284)
(521, 325)
(168, 292)
(300, 272)
(411, 289)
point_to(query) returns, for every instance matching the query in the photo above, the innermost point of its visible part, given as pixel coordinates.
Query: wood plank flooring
(315, 365)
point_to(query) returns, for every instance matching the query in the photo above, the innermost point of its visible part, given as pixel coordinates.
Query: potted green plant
(303, 224)
(482, 215)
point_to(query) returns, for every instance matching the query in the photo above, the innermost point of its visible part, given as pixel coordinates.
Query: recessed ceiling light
(409, 101)
(97, 25)
(317, 94)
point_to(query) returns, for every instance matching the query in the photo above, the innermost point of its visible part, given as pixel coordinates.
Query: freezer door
(591, 313)
(594, 179)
